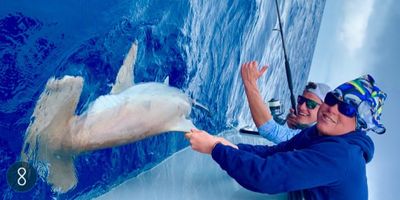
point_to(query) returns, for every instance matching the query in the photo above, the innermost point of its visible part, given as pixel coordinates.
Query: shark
(130, 112)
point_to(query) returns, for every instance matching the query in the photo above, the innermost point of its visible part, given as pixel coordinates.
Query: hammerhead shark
(130, 112)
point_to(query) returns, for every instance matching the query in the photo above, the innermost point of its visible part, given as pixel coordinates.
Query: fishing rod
(287, 69)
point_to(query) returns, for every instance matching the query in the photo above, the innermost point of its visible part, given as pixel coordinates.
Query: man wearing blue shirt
(325, 161)
(307, 106)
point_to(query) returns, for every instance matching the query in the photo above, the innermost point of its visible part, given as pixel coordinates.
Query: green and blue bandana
(368, 99)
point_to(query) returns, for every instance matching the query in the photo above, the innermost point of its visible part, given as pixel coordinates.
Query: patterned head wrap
(367, 98)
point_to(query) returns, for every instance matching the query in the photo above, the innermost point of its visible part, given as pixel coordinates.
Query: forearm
(259, 150)
(258, 109)
(284, 171)
(276, 133)
(255, 173)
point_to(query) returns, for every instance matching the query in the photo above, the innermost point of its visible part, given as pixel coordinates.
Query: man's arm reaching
(259, 110)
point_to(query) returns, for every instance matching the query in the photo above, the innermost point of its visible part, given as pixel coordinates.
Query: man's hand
(292, 119)
(203, 142)
(250, 73)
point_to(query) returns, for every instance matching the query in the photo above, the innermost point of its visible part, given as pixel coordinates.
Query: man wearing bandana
(325, 161)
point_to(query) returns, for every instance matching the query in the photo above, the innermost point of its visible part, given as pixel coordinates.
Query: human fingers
(188, 135)
(263, 69)
(194, 129)
(292, 113)
(292, 117)
(292, 122)
(253, 66)
(245, 66)
(243, 70)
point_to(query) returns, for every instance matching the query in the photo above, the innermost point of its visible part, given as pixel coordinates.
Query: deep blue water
(198, 44)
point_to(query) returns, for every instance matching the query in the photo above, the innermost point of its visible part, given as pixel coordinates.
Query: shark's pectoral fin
(201, 106)
(125, 77)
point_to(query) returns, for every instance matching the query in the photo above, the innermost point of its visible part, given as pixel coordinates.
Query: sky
(358, 37)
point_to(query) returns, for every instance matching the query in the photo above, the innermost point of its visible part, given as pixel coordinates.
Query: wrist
(251, 90)
(217, 141)
(250, 84)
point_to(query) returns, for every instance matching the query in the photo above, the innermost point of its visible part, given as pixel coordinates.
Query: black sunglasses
(344, 108)
(311, 104)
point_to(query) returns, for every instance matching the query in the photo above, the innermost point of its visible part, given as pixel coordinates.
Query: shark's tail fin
(48, 138)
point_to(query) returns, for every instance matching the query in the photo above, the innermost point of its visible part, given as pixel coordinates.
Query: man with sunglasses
(325, 161)
(307, 106)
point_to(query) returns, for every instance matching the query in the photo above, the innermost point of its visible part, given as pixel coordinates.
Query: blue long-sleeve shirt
(275, 132)
(324, 167)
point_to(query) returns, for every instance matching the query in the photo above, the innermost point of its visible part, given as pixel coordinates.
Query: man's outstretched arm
(258, 109)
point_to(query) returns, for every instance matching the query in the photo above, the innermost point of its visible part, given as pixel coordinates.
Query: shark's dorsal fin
(125, 77)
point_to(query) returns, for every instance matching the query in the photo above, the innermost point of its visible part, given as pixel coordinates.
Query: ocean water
(199, 44)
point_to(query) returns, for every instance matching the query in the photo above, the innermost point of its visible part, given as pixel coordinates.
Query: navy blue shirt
(324, 167)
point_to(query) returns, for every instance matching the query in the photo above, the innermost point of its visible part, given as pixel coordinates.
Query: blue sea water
(199, 44)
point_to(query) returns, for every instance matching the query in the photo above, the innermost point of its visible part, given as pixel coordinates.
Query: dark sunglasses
(309, 103)
(344, 108)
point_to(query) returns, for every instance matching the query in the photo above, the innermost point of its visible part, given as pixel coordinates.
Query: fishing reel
(276, 110)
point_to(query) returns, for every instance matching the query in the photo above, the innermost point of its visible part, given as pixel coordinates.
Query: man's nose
(333, 109)
(302, 106)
